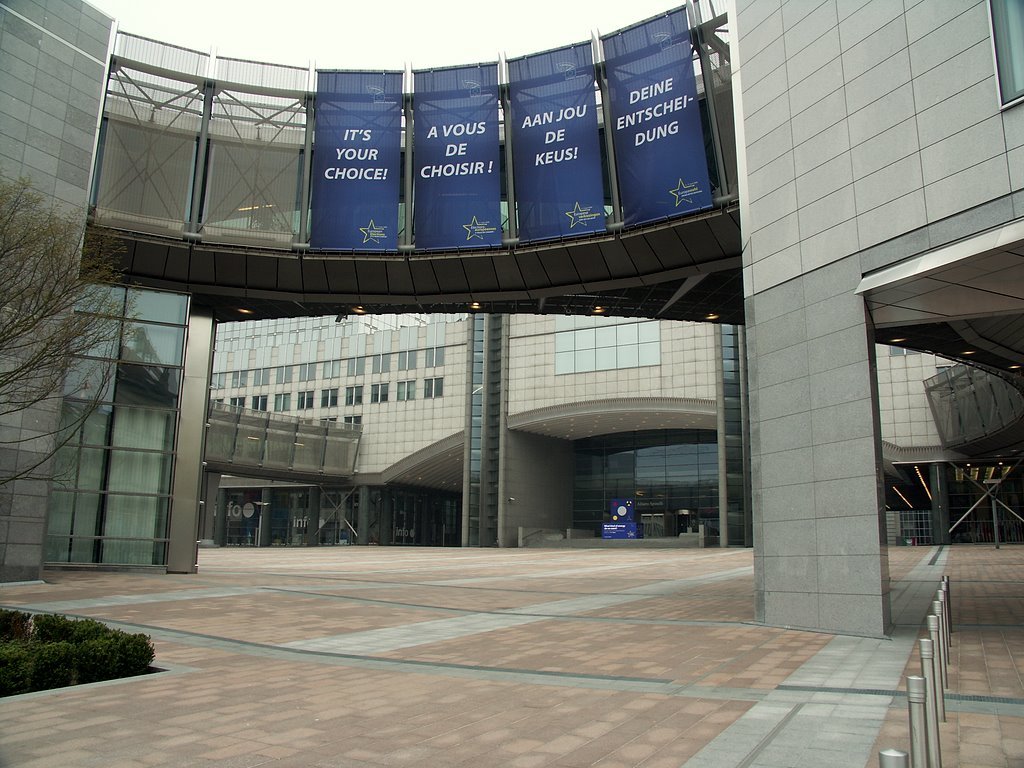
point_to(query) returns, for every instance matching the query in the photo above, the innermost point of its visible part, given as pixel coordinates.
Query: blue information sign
(456, 154)
(557, 155)
(357, 161)
(657, 133)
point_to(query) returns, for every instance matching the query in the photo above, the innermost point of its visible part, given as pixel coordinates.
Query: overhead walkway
(240, 441)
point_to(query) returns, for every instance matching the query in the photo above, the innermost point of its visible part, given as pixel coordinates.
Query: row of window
(330, 369)
(379, 393)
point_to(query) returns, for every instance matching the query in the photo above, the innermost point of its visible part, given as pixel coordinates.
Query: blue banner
(556, 153)
(657, 133)
(357, 161)
(457, 173)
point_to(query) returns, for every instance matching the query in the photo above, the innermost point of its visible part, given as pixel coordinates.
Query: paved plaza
(368, 656)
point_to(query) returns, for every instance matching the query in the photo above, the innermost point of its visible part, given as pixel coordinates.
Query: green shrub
(15, 669)
(53, 666)
(55, 651)
(48, 628)
(134, 654)
(14, 625)
(96, 659)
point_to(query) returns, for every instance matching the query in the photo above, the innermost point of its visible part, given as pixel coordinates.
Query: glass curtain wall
(672, 476)
(111, 493)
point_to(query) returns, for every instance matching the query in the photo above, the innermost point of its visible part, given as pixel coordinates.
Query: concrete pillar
(220, 528)
(819, 560)
(188, 465)
(387, 516)
(313, 517)
(363, 527)
(940, 503)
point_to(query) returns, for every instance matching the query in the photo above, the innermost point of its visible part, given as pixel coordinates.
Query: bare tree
(54, 311)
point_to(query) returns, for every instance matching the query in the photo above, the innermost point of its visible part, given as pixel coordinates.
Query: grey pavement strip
(853, 680)
(66, 606)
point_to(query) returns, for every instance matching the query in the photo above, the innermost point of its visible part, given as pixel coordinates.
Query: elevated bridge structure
(816, 239)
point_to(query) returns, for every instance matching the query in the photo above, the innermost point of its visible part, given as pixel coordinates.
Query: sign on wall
(657, 133)
(557, 155)
(357, 161)
(457, 178)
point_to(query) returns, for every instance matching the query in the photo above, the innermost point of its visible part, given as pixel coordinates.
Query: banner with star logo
(559, 190)
(357, 161)
(457, 184)
(657, 132)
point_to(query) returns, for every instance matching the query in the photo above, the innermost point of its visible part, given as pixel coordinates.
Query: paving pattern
(366, 656)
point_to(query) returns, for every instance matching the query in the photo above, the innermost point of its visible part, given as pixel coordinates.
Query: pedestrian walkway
(370, 656)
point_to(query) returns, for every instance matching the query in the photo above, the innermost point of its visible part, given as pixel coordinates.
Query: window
(407, 390)
(284, 374)
(407, 361)
(218, 381)
(305, 399)
(239, 378)
(353, 419)
(307, 371)
(260, 377)
(435, 357)
(332, 369)
(354, 395)
(237, 402)
(328, 419)
(259, 402)
(378, 393)
(433, 387)
(283, 402)
(329, 397)
(356, 366)
(381, 363)
(1008, 32)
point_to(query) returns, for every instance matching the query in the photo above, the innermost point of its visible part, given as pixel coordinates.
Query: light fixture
(967, 352)
(359, 310)
(711, 316)
(475, 305)
(598, 310)
(1014, 367)
(896, 341)
(244, 311)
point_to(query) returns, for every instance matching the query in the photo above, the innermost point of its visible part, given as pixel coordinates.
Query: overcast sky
(379, 34)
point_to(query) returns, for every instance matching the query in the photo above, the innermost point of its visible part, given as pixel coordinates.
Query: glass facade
(111, 495)
(672, 476)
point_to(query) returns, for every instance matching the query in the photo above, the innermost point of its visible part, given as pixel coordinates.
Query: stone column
(188, 465)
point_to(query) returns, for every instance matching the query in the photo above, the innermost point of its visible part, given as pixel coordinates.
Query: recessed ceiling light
(475, 305)
(244, 311)
(711, 316)
(359, 310)
(967, 352)
(896, 341)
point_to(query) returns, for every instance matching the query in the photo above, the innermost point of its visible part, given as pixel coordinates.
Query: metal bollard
(939, 662)
(943, 649)
(931, 702)
(918, 727)
(949, 599)
(947, 619)
(893, 758)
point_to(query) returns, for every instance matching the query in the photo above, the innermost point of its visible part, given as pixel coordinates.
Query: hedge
(41, 652)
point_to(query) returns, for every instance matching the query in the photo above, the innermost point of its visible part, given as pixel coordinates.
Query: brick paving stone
(614, 693)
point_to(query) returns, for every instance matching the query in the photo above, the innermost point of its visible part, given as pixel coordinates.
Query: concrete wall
(868, 132)
(52, 60)
(537, 472)
(391, 430)
(687, 367)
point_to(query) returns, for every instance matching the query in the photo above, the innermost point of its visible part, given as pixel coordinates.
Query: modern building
(718, 345)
